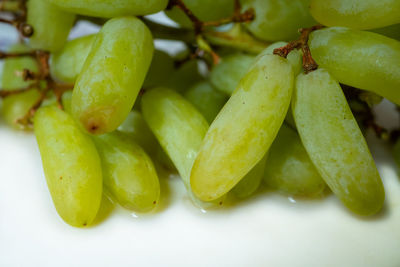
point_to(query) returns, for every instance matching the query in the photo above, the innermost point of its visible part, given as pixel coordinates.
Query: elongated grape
(244, 129)
(128, 172)
(109, 8)
(16, 106)
(226, 75)
(178, 126)
(71, 165)
(112, 75)
(356, 14)
(136, 127)
(278, 20)
(207, 100)
(161, 69)
(251, 182)
(51, 25)
(335, 144)
(360, 59)
(289, 168)
(66, 64)
(205, 10)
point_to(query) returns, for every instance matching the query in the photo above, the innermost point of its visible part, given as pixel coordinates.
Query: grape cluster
(274, 107)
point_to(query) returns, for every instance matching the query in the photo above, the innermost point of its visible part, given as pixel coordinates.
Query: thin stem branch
(309, 63)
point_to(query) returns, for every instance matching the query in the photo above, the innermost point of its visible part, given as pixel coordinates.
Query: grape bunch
(273, 93)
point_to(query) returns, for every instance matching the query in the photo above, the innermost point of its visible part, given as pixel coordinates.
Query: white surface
(267, 230)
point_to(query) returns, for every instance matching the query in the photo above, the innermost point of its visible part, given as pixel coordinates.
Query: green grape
(136, 127)
(205, 10)
(110, 8)
(128, 173)
(289, 168)
(16, 106)
(278, 20)
(356, 14)
(251, 182)
(294, 57)
(184, 77)
(360, 59)
(207, 100)
(112, 75)
(335, 144)
(226, 75)
(179, 128)
(71, 165)
(65, 65)
(51, 25)
(392, 31)
(244, 129)
(161, 69)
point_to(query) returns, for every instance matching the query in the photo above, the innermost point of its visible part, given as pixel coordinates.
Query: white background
(266, 230)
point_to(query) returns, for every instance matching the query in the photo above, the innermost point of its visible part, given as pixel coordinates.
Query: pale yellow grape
(112, 75)
(128, 172)
(360, 59)
(225, 76)
(71, 165)
(356, 14)
(51, 25)
(178, 126)
(244, 129)
(66, 64)
(16, 106)
(335, 144)
(251, 182)
(111, 8)
(289, 168)
(205, 10)
(207, 100)
(278, 20)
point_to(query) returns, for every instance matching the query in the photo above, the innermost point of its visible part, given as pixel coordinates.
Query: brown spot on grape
(154, 202)
(61, 177)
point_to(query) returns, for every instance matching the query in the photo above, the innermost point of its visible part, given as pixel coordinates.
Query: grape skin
(244, 129)
(335, 144)
(112, 75)
(51, 25)
(71, 165)
(110, 8)
(207, 100)
(356, 14)
(128, 172)
(278, 20)
(289, 168)
(360, 59)
(66, 64)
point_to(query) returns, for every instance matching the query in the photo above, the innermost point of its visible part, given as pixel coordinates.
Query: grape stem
(309, 63)
(18, 9)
